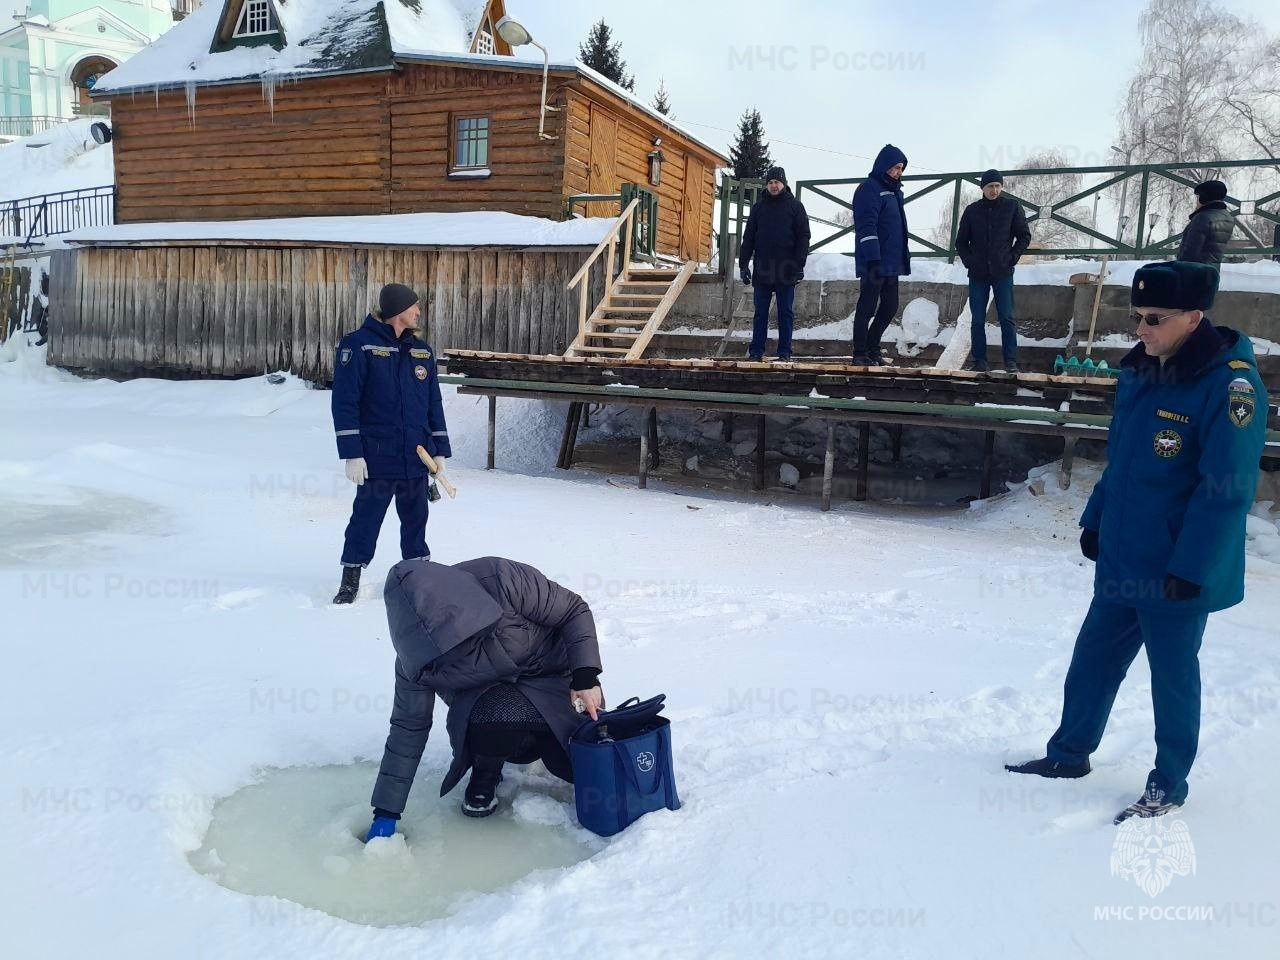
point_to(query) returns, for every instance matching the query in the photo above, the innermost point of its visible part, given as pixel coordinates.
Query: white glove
(357, 471)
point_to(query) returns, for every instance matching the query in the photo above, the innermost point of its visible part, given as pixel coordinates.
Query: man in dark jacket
(777, 238)
(880, 254)
(1165, 525)
(1210, 226)
(386, 402)
(512, 654)
(991, 237)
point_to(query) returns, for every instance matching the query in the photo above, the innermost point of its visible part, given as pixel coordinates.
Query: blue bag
(622, 767)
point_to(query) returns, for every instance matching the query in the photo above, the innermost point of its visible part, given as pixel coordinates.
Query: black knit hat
(776, 173)
(992, 176)
(1211, 190)
(394, 299)
(1174, 285)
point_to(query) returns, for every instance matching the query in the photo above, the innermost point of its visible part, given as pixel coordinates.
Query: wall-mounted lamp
(514, 33)
(100, 132)
(655, 162)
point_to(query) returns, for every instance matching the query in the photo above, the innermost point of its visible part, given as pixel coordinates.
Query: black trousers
(879, 300)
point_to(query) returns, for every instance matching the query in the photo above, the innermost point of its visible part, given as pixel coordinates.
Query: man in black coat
(1210, 226)
(777, 237)
(992, 236)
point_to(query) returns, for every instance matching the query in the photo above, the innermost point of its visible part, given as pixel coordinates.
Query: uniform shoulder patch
(1240, 365)
(345, 355)
(1242, 403)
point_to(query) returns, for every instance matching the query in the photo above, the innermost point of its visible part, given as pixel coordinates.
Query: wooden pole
(570, 436)
(644, 457)
(828, 465)
(761, 435)
(895, 433)
(493, 431)
(652, 429)
(864, 459)
(1068, 458)
(988, 462)
(726, 431)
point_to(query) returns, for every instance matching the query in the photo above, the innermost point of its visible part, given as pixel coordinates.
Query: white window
(484, 41)
(255, 19)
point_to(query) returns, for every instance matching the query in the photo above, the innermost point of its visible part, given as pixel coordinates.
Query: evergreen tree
(750, 153)
(604, 55)
(662, 100)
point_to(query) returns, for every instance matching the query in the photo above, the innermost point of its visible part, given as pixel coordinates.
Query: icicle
(157, 90)
(191, 101)
(269, 93)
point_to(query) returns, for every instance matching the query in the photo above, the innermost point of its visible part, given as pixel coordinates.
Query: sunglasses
(1154, 319)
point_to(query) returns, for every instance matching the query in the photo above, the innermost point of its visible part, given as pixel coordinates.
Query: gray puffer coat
(458, 630)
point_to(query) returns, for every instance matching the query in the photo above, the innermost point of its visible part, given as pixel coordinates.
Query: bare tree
(1177, 108)
(1045, 189)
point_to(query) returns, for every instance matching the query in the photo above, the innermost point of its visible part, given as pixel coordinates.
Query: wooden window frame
(244, 19)
(470, 171)
(486, 33)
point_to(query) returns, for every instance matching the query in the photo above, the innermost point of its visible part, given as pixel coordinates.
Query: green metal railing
(645, 238)
(735, 206)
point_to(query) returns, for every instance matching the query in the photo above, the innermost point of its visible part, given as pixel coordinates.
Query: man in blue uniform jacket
(880, 252)
(1165, 525)
(386, 401)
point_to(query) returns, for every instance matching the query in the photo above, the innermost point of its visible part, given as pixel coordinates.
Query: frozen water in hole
(298, 834)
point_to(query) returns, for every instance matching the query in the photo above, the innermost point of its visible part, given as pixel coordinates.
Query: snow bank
(64, 158)
(1262, 276)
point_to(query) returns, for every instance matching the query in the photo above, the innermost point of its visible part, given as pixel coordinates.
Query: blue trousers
(980, 292)
(1108, 641)
(762, 294)
(372, 499)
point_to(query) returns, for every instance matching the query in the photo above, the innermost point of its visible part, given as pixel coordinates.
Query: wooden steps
(638, 299)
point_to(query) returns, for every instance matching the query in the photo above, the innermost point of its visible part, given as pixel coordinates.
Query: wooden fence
(236, 309)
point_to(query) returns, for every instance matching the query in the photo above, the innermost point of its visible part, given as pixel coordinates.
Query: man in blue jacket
(1165, 525)
(386, 401)
(880, 254)
(777, 239)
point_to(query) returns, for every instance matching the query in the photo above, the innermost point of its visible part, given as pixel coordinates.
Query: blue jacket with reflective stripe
(1182, 472)
(880, 219)
(386, 401)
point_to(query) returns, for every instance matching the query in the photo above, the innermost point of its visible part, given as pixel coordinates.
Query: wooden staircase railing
(635, 302)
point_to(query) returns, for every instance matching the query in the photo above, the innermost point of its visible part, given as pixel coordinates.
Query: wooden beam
(828, 465)
(864, 459)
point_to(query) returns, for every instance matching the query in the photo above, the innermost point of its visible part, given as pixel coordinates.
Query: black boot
(1044, 767)
(481, 798)
(349, 587)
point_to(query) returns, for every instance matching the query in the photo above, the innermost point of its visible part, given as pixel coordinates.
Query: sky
(975, 85)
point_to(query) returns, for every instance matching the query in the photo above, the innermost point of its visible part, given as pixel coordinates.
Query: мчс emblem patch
(1241, 402)
(346, 355)
(420, 372)
(1168, 444)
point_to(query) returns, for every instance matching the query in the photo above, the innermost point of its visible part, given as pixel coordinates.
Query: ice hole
(298, 834)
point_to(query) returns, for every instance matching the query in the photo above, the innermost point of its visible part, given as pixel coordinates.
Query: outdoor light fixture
(514, 33)
(655, 162)
(100, 132)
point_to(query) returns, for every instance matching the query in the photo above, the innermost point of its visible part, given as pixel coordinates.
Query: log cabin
(289, 108)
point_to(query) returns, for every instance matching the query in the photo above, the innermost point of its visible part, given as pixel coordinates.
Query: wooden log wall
(525, 171)
(684, 202)
(319, 149)
(228, 311)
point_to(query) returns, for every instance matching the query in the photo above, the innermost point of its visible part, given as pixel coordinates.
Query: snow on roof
(323, 36)
(480, 229)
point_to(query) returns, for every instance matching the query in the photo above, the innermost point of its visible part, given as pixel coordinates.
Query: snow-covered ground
(844, 689)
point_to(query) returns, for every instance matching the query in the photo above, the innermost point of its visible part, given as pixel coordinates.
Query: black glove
(1089, 544)
(799, 276)
(873, 272)
(1177, 589)
(746, 276)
